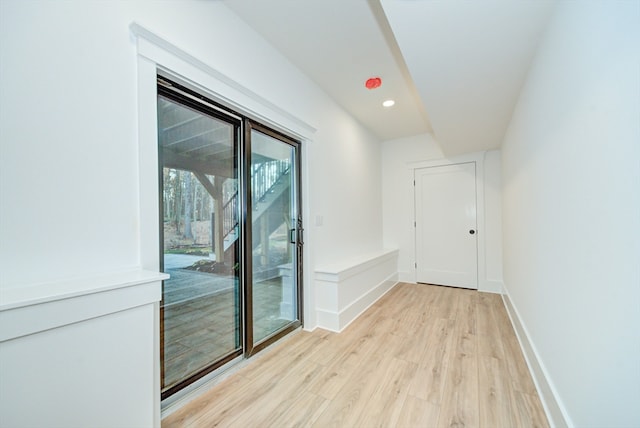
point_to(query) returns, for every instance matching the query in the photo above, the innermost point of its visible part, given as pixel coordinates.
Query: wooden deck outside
(199, 328)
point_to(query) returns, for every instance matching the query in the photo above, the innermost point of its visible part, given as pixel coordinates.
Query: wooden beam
(214, 191)
(217, 168)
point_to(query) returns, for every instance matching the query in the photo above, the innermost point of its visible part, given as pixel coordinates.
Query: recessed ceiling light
(388, 103)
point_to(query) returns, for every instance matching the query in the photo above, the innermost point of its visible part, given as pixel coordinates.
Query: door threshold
(202, 385)
(171, 404)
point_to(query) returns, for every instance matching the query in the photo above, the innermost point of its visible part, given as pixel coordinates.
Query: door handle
(300, 230)
(295, 236)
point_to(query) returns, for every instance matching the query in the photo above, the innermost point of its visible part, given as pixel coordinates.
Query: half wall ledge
(33, 308)
(345, 290)
(83, 339)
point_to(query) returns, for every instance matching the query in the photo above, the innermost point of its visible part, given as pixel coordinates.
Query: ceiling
(455, 68)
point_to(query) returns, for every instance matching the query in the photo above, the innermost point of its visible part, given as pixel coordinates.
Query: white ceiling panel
(469, 60)
(454, 67)
(339, 44)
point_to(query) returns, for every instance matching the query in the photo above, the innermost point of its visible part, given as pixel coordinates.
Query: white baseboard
(338, 321)
(328, 320)
(486, 286)
(407, 276)
(491, 286)
(355, 309)
(553, 407)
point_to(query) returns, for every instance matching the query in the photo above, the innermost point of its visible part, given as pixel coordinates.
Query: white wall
(346, 191)
(92, 349)
(398, 158)
(492, 181)
(69, 202)
(397, 195)
(571, 198)
(68, 172)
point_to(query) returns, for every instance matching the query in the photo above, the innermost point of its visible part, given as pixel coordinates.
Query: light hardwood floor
(422, 356)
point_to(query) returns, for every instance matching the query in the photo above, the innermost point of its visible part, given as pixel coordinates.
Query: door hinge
(415, 224)
(414, 183)
(416, 265)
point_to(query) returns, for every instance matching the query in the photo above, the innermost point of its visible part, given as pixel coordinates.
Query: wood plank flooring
(422, 356)
(201, 329)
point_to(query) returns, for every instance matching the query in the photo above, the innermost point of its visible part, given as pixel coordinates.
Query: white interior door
(446, 233)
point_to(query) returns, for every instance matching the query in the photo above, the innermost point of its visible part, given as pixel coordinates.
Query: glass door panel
(274, 217)
(201, 303)
(230, 235)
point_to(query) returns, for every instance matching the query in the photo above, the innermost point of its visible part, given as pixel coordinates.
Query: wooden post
(215, 190)
(264, 237)
(290, 225)
(218, 232)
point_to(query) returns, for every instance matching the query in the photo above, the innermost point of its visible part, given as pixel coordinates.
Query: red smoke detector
(373, 83)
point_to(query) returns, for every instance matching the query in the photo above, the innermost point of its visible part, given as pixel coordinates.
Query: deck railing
(264, 177)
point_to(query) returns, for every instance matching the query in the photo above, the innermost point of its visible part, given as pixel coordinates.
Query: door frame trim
(478, 158)
(475, 193)
(155, 55)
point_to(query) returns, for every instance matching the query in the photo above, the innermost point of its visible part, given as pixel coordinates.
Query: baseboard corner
(554, 410)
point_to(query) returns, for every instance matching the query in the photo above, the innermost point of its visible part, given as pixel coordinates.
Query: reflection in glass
(201, 305)
(273, 218)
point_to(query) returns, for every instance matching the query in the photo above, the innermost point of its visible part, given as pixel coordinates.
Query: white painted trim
(555, 410)
(178, 61)
(492, 286)
(155, 54)
(338, 321)
(341, 271)
(370, 276)
(469, 157)
(149, 204)
(158, 54)
(407, 276)
(308, 289)
(17, 297)
(29, 310)
(328, 320)
(478, 158)
(357, 308)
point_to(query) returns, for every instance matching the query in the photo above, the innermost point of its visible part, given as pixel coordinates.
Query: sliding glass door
(275, 235)
(201, 306)
(230, 235)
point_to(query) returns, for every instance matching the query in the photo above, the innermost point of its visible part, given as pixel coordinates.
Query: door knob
(472, 231)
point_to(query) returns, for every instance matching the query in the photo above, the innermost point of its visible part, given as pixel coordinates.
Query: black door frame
(242, 136)
(250, 347)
